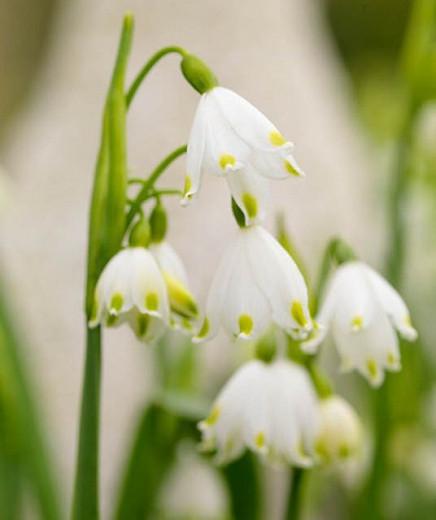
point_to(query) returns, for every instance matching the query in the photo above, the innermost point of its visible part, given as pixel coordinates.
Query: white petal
(392, 304)
(250, 192)
(195, 152)
(246, 312)
(370, 350)
(275, 164)
(225, 152)
(147, 328)
(149, 291)
(280, 280)
(247, 121)
(169, 261)
(217, 294)
(355, 306)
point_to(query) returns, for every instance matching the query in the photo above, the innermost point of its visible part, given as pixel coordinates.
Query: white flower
(271, 409)
(131, 288)
(362, 310)
(256, 283)
(231, 137)
(340, 434)
(182, 303)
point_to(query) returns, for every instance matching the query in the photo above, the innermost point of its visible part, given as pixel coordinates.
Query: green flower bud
(158, 223)
(198, 74)
(238, 214)
(140, 234)
(266, 347)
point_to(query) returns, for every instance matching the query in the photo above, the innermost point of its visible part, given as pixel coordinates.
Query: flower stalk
(106, 230)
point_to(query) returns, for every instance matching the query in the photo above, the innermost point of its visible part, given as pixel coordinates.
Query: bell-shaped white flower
(231, 137)
(183, 306)
(256, 283)
(340, 433)
(271, 409)
(131, 288)
(363, 310)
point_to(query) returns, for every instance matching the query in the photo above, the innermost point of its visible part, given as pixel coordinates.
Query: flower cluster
(274, 405)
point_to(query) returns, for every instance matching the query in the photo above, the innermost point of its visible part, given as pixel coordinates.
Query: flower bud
(340, 433)
(140, 234)
(198, 74)
(158, 223)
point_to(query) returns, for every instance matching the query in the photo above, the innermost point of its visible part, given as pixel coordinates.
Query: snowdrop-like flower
(131, 288)
(340, 433)
(271, 409)
(231, 137)
(363, 310)
(182, 303)
(256, 283)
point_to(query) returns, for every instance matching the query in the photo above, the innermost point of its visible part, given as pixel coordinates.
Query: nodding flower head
(257, 283)
(232, 138)
(363, 310)
(271, 409)
(340, 434)
(131, 288)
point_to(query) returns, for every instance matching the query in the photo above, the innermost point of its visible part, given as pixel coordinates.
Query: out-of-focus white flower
(231, 137)
(256, 283)
(340, 434)
(183, 306)
(271, 409)
(131, 288)
(363, 310)
(193, 489)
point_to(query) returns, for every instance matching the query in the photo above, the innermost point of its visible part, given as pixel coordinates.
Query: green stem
(149, 183)
(394, 271)
(86, 493)
(147, 67)
(295, 496)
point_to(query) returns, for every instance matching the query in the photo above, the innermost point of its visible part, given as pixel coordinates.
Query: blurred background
(339, 77)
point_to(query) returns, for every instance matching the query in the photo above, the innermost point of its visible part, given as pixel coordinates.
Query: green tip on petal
(204, 331)
(152, 301)
(297, 312)
(142, 323)
(181, 300)
(116, 303)
(250, 205)
(371, 365)
(245, 324)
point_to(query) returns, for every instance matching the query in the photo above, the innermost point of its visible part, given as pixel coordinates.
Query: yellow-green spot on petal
(116, 303)
(142, 322)
(371, 365)
(297, 312)
(111, 320)
(188, 185)
(213, 416)
(227, 160)
(408, 321)
(322, 450)
(290, 169)
(391, 359)
(259, 440)
(204, 331)
(344, 451)
(182, 301)
(357, 323)
(250, 204)
(245, 324)
(152, 301)
(276, 138)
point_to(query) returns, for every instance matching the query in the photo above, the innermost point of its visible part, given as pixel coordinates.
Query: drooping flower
(256, 283)
(362, 310)
(271, 409)
(340, 433)
(131, 288)
(183, 306)
(231, 137)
